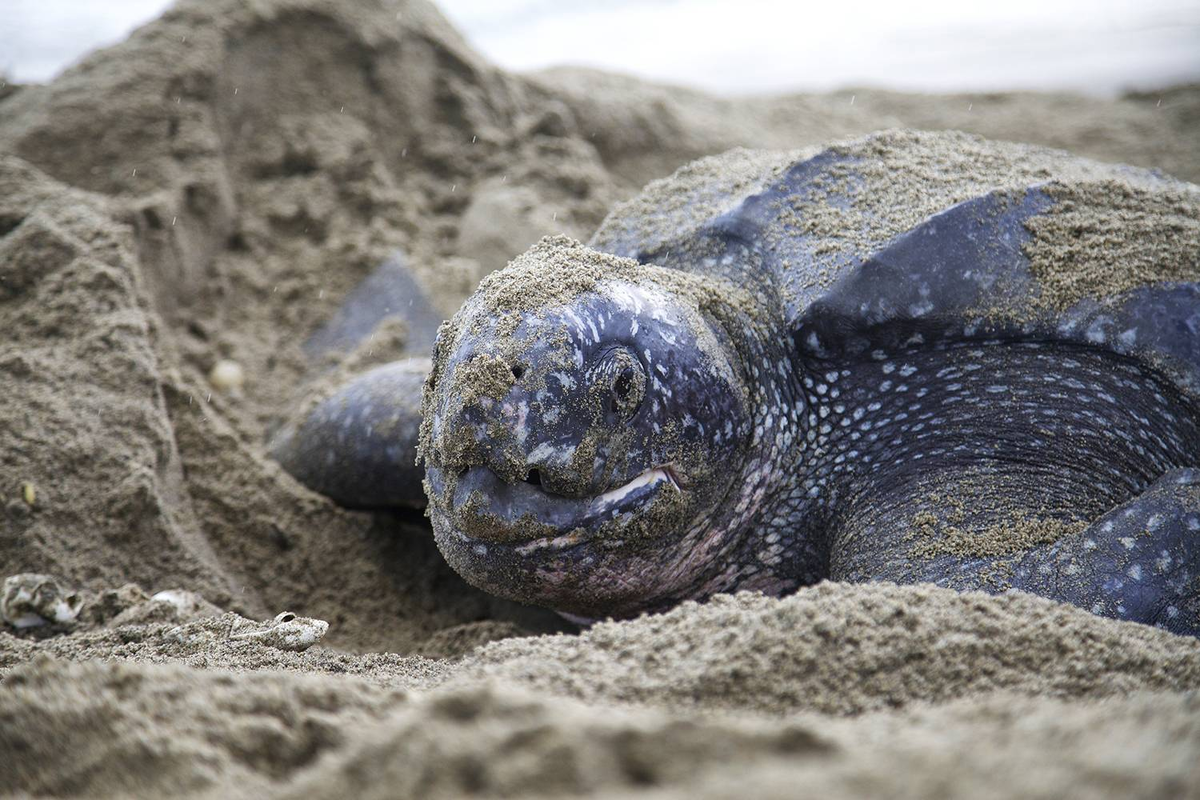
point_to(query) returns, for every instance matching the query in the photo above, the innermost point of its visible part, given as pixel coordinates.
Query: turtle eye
(620, 380)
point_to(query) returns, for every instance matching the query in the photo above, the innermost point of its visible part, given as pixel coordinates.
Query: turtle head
(584, 419)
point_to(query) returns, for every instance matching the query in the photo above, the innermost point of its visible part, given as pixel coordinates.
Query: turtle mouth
(486, 509)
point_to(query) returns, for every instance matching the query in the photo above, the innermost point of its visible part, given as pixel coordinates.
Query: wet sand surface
(208, 192)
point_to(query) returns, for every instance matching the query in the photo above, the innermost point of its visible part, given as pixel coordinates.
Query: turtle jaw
(592, 556)
(485, 509)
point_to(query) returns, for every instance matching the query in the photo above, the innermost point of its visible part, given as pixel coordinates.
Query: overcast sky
(1097, 46)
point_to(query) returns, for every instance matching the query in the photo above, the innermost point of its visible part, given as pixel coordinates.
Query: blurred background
(1098, 47)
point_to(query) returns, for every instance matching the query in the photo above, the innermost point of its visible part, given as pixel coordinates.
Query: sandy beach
(207, 192)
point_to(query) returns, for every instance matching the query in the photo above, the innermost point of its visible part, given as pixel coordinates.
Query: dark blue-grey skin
(358, 445)
(723, 405)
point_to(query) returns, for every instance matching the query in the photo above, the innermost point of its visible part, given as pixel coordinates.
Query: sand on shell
(207, 192)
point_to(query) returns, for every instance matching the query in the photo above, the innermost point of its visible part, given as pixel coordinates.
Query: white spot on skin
(564, 379)
(547, 453)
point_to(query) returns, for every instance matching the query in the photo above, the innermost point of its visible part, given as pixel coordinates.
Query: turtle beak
(488, 509)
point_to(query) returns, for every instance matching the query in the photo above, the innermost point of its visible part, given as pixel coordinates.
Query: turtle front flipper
(389, 291)
(359, 445)
(1138, 562)
(999, 465)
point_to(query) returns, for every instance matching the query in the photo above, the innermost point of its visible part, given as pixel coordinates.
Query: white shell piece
(29, 600)
(288, 632)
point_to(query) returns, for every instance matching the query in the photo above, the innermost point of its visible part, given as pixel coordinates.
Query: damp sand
(899, 689)
(181, 200)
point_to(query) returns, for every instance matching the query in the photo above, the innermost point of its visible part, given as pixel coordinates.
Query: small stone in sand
(227, 376)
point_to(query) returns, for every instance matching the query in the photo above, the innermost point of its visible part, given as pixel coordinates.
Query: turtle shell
(903, 238)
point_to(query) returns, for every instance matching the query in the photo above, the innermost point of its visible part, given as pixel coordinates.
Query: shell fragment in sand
(29, 600)
(287, 632)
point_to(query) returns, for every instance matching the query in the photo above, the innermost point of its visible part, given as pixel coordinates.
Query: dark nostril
(534, 477)
(626, 392)
(518, 371)
(617, 384)
(623, 385)
(463, 470)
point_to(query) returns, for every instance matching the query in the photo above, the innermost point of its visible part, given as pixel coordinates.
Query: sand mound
(208, 191)
(98, 728)
(504, 743)
(840, 649)
(136, 476)
(834, 649)
(90, 433)
(835, 686)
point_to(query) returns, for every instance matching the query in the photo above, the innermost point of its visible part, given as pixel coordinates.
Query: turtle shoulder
(905, 237)
(920, 244)
(675, 221)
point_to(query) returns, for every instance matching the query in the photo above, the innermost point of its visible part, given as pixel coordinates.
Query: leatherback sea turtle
(911, 357)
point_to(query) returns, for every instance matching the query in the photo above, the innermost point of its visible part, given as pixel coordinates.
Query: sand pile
(900, 690)
(208, 191)
(86, 730)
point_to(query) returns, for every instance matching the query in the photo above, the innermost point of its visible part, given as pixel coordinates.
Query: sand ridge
(833, 683)
(209, 191)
